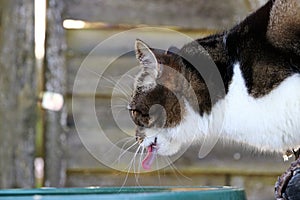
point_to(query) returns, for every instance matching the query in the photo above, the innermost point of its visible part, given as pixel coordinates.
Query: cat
(258, 61)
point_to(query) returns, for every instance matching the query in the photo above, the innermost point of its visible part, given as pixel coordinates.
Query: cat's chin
(165, 146)
(169, 151)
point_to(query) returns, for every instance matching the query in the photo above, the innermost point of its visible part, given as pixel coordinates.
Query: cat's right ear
(145, 55)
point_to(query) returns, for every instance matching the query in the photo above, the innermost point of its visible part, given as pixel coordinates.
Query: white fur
(271, 122)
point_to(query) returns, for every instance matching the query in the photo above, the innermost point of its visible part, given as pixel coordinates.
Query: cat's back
(259, 61)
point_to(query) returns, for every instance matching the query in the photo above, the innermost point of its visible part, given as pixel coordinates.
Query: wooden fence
(67, 162)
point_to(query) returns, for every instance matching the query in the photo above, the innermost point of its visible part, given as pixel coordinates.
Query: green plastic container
(136, 193)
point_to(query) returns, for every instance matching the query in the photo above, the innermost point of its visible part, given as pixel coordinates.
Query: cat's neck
(245, 119)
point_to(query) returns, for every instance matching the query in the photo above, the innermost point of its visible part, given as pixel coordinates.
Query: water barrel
(123, 193)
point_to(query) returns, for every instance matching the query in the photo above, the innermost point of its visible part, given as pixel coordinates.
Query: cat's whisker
(124, 151)
(142, 153)
(137, 172)
(129, 166)
(135, 143)
(118, 89)
(134, 156)
(107, 86)
(130, 76)
(127, 139)
(143, 150)
(139, 161)
(124, 93)
(119, 111)
(124, 100)
(158, 173)
(93, 72)
(118, 86)
(110, 86)
(133, 138)
(176, 170)
(125, 85)
(129, 89)
(110, 80)
(121, 89)
(125, 180)
(125, 88)
(118, 106)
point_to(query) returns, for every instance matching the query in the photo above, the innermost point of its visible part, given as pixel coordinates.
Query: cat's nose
(139, 139)
(140, 135)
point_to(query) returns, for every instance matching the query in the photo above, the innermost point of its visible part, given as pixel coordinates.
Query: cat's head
(158, 97)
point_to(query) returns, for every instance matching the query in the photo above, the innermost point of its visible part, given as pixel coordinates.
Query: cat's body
(259, 63)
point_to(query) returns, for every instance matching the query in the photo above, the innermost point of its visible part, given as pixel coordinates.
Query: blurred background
(42, 46)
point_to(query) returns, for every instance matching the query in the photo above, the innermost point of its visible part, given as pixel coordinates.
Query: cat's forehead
(145, 80)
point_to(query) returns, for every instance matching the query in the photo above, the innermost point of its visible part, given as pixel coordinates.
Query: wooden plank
(90, 76)
(256, 187)
(55, 77)
(18, 99)
(108, 59)
(82, 42)
(183, 13)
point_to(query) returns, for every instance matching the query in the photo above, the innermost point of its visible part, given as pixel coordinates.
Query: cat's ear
(144, 54)
(284, 25)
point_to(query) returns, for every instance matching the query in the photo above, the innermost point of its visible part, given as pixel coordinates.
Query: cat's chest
(274, 116)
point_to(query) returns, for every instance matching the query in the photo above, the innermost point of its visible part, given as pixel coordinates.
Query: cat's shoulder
(266, 44)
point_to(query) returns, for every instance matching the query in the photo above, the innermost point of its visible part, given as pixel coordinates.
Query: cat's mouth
(151, 155)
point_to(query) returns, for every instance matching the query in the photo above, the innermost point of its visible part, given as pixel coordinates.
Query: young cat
(259, 63)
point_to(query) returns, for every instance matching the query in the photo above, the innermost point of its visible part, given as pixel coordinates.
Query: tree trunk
(17, 94)
(55, 81)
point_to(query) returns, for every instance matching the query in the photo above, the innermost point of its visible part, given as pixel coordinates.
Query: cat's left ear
(284, 25)
(145, 55)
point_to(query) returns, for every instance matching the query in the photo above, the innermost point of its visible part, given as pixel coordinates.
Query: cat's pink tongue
(150, 157)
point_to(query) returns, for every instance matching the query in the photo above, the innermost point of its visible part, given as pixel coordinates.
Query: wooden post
(17, 94)
(55, 81)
